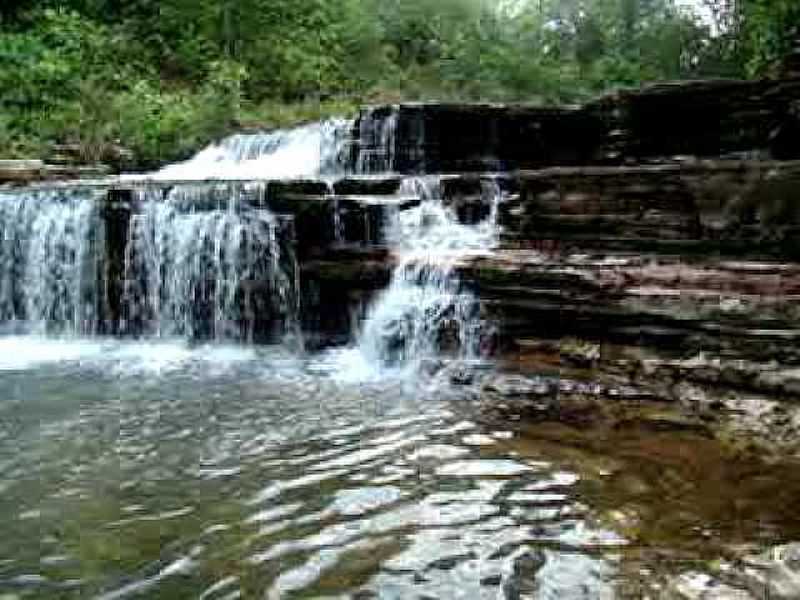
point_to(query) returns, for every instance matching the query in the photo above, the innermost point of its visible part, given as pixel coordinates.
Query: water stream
(314, 150)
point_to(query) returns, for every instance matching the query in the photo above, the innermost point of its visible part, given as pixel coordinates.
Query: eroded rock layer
(652, 125)
(678, 281)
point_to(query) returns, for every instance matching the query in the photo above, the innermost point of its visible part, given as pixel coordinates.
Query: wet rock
(451, 562)
(692, 207)
(462, 376)
(579, 352)
(738, 374)
(665, 423)
(709, 119)
(520, 579)
(367, 186)
(466, 198)
(701, 586)
(712, 118)
(718, 338)
(774, 574)
(450, 138)
(21, 171)
(659, 301)
(534, 399)
(518, 386)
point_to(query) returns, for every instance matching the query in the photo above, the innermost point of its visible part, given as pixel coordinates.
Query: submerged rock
(520, 579)
(701, 586)
(773, 574)
(539, 399)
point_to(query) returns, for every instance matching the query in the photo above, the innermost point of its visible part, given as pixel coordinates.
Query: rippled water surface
(163, 471)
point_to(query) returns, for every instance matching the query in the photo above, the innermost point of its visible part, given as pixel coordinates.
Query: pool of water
(168, 471)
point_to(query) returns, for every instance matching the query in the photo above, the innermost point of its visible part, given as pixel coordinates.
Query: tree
(768, 30)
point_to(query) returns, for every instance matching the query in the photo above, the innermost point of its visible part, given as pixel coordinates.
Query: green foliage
(163, 76)
(769, 27)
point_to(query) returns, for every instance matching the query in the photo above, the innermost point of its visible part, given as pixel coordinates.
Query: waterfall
(426, 310)
(204, 260)
(205, 263)
(377, 141)
(314, 150)
(49, 262)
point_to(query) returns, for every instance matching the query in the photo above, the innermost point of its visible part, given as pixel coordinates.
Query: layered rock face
(649, 245)
(648, 255)
(655, 125)
(674, 272)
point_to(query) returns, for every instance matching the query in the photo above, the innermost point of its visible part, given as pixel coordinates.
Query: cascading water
(317, 150)
(206, 261)
(49, 261)
(314, 150)
(426, 309)
(377, 133)
(203, 263)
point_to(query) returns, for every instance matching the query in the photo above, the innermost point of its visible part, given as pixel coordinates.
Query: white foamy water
(120, 358)
(314, 150)
(22, 353)
(426, 310)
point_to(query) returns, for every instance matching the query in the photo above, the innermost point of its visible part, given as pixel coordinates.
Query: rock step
(657, 123)
(21, 171)
(736, 308)
(727, 208)
(18, 172)
(733, 205)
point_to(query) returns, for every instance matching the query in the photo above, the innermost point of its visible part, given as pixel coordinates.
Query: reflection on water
(163, 471)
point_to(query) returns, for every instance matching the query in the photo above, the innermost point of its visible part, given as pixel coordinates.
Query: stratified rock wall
(706, 119)
(729, 207)
(656, 124)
